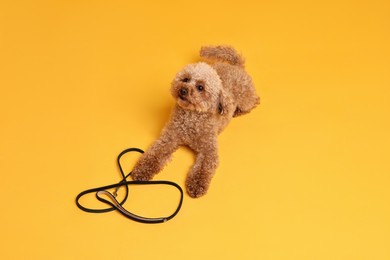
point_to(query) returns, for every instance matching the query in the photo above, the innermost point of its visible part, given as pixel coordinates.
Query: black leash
(116, 205)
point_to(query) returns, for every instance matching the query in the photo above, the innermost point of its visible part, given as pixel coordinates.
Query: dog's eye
(200, 87)
(185, 80)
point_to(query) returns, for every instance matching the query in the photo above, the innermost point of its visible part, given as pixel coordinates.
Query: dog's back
(230, 68)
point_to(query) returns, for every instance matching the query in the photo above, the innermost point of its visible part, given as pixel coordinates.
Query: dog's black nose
(183, 92)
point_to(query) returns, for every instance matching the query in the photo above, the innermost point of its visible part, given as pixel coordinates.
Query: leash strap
(100, 192)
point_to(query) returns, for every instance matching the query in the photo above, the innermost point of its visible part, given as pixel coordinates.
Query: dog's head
(198, 87)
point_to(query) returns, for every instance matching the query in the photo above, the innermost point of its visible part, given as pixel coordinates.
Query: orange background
(304, 176)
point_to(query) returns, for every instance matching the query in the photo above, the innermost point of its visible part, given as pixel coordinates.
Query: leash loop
(118, 205)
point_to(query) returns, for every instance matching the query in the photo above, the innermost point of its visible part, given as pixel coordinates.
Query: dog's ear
(222, 106)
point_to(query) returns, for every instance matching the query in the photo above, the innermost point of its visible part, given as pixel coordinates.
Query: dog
(208, 95)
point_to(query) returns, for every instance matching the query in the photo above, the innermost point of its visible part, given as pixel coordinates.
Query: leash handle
(122, 210)
(116, 205)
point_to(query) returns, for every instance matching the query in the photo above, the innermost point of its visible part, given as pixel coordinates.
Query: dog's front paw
(145, 168)
(141, 175)
(197, 186)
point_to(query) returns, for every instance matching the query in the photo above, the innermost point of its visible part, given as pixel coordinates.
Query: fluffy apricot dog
(208, 94)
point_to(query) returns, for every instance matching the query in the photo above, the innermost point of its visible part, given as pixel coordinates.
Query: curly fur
(208, 96)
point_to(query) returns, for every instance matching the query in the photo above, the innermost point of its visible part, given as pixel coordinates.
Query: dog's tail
(222, 53)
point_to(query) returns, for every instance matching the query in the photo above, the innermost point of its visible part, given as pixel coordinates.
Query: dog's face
(197, 87)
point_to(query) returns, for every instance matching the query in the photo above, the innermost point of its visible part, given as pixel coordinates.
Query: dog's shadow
(160, 114)
(148, 114)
